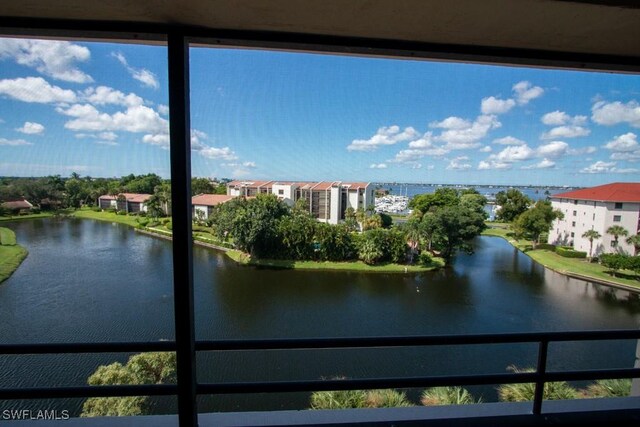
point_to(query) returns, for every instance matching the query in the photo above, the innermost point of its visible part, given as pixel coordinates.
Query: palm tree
(617, 231)
(591, 235)
(635, 241)
(413, 237)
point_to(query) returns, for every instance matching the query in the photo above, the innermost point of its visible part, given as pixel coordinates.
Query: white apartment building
(597, 208)
(328, 200)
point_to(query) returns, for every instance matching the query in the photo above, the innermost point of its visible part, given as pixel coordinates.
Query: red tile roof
(210, 199)
(355, 185)
(131, 197)
(615, 192)
(17, 204)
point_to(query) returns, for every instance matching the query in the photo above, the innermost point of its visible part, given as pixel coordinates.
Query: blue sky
(101, 110)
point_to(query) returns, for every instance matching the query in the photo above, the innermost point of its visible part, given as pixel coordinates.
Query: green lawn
(11, 254)
(552, 260)
(7, 237)
(30, 216)
(106, 216)
(329, 265)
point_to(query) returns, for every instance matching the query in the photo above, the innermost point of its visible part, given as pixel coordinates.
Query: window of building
(572, 234)
(575, 202)
(573, 224)
(230, 307)
(575, 213)
(617, 218)
(281, 191)
(614, 243)
(618, 206)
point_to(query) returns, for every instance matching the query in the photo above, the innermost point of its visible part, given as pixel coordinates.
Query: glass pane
(84, 167)
(346, 183)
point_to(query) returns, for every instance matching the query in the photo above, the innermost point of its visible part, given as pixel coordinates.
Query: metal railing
(540, 376)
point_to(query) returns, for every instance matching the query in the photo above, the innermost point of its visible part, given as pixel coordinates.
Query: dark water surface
(93, 281)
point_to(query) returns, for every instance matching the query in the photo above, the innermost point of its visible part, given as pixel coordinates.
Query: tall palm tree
(617, 231)
(635, 241)
(591, 235)
(413, 237)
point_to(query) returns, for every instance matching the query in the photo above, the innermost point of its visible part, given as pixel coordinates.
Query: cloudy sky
(101, 110)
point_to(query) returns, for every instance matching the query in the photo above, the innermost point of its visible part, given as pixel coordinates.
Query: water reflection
(93, 281)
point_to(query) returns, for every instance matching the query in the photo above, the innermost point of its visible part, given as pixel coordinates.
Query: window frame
(179, 39)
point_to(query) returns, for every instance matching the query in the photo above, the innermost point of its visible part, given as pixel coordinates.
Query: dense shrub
(447, 396)
(353, 399)
(425, 258)
(121, 213)
(608, 388)
(570, 252)
(169, 226)
(96, 209)
(524, 392)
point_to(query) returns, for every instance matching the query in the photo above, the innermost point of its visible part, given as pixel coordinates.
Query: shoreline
(244, 259)
(11, 254)
(567, 273)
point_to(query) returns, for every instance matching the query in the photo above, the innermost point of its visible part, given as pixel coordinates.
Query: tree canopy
(512, 203)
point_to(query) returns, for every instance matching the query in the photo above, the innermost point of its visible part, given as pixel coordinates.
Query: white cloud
(134, 119)
(612, 113)
(600, 167)
(107, 136)
(250, 165)
(161, 140)
(492, 164)
(106, 142)
(144, 76)
(543, 164)
(224, 153)
(103, 95)
(52, 58)
(513, 153)
(552, 149)
(509, 140)
(412, 155)
(31, 128)
(622, 143)
(35, 89)
(378, 166)
(556, 118)
(163, 109)
(384, 136)
(583, 150)
(14, 142)
(452, 123)
(524, 92)
(566, 132)
(459, 163)
(492, 105)
(486, 149)
(630, 156)
(426, 141)
(458, 137)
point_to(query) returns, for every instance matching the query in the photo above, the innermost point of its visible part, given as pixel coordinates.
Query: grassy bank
(553, 261)
(202, 235)
(333, 265)
(11, 254)
(106, 216)
(29, 216)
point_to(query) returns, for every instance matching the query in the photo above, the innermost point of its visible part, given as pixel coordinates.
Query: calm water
(95, 281)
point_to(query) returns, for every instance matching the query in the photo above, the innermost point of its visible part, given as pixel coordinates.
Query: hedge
(570, 253)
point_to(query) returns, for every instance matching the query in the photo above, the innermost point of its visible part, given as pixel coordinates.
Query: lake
(94, 281)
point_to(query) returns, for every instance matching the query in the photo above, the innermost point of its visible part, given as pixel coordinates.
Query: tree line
(266, 227)
(56, 192)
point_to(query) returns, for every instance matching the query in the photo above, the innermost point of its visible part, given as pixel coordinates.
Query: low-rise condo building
(327, 200)
(203, 204)
(597, 208)
(129, 202)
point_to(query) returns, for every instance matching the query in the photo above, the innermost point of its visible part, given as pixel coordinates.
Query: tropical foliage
(144, 368)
